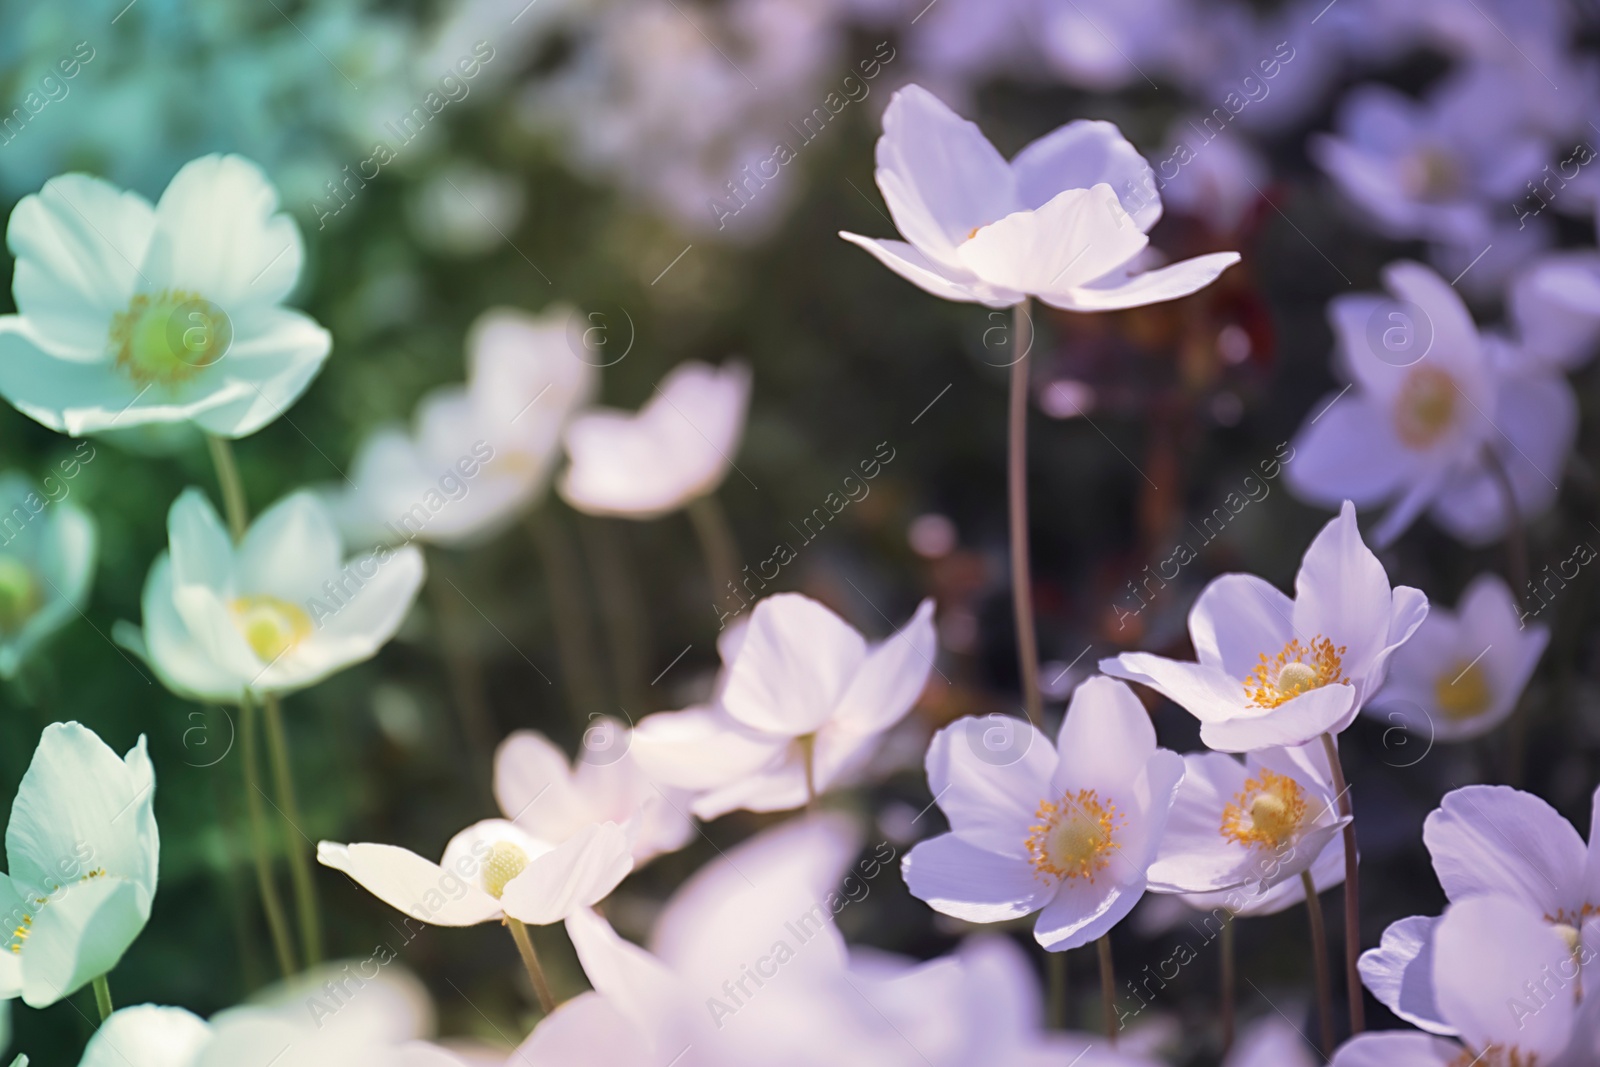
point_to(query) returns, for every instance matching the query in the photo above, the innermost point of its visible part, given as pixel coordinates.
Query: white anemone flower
(1276, 672)
(1251, 901)
(674, 450)
(1068, 831)
(804, 705)
(1461, 673)
(1426, 402)
(47, 559)
(1506, 983)
(490, 870)
(278, 612)
(552, 799)
(82, 853)
(1255, 823)
(479, 454)
(1065, 221)
(131, 314)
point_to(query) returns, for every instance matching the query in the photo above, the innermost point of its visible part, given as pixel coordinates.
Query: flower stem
(1017, 490)
(305, 886)
(1319, 960)
(1108, 988)
(271, 903)
(102, 997)
(1230, 966)
(465, 672)
(1056, 1006)
(717, 544)
(530, 960)
(580, 665)
(1352, 891)
(233, 501)
(622, 610)
(1517, 572)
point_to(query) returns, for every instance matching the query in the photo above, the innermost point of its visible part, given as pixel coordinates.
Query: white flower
(1257, 823)
(278, 612)
(804, 695)
(1063, 222)
(1425, 402)
(1279, 672)
(1068, 832)
(82, 853)
(1271, 1041)
(1555, 304)
(676, 448)
(132, 314)
(47, 559)
(1249, 901)
(551, 799)
(1461, 673)
(490, 870)
(479, 454)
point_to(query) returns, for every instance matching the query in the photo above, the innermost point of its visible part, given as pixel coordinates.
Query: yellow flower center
(270, 625)
(1268, 811)
(1426, 406)
(19, 594)
(168, 337)
(1433, 174)
(1463, 692)
(24, 931)
(505, 862)
(1297, 669)
(1495, 1056)
(1074, 838)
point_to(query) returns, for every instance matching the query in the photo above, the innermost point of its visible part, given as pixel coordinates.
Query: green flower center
(169, 337)
(19, 594)
(270, 625)
(505, 862)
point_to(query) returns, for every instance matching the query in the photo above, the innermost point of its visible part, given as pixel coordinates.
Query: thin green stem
(1108, 988)
(102, 997)
(233, 500)
(1319, 960)
(1352, 891)
(1017, 490)
(1056, 1005)
(305, 886)
(530, 960)
(717, 544)
(271, 903)
(1230, 968)
(621, 607)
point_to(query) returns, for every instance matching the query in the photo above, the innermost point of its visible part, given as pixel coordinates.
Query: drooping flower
(478, 454)
(131, 314)
(1462, 672)
(1065, 221)
(1279, 672)
(278, 612)
(1506, 984)
(490, 870)
(47, 559)
(1426, 402)
(678, 447)
(552, 800)
(1255, 823)
(803, 705)
(82, 853)
(1068, 832)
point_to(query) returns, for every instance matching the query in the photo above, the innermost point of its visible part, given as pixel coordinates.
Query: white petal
(1494, 839)
(971, 883)
(534, 787)
(1105, 741)
(794, 667)
(1484, 952)
(1349, 451)
(1118, 290)
(80, 936)
(1080, 235)
(1084, 154)
(290, 550)
(701, 748)
(949, 283)
(1342, 593)
(778, 786)
(1236, 620)
(404, 880)
(1399, 972)
(576, 874)
(1082, 911)
(989, 774)
(1396, 1050)
(1328, 709)
(184, 665)
(892, 676)
(147, 1036)
(1204, 692)
(274, 357)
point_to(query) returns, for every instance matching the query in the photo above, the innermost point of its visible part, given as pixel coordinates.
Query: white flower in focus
(1064, 221)
(1068, 832)
(804, 695)
(490, 870)
(551, 799)
(82, 853)
(478, 454)
(1251, 901)
(1254, 823)
(1276, 672)
(678, 447)
(1461, 673)
(132, 314)
(1424, 403)
(278, 612)
(47, 561)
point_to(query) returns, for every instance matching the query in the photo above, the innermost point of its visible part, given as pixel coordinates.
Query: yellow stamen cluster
(1496, 1056)
(270, 625)
(1297, 669)
(1267, 812)
(1463, 692)
(169, 336)
(1425, 407)
(20, 934)
(1074, 838)
(505, 862)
